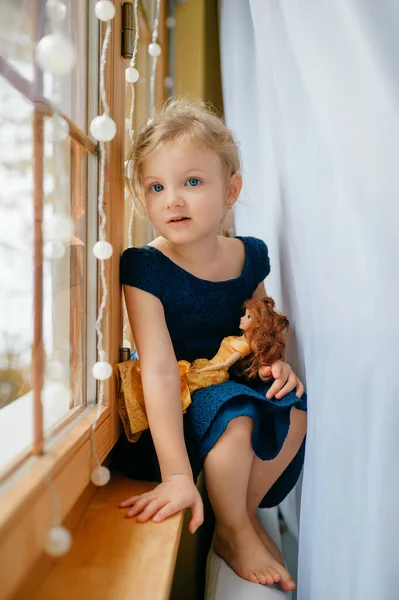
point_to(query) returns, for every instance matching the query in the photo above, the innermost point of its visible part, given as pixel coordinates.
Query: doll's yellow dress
(130, 397)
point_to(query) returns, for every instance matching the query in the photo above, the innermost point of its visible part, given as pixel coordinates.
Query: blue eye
(157, 187)
(193, 182)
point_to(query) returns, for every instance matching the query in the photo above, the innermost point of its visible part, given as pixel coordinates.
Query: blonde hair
(182, 119)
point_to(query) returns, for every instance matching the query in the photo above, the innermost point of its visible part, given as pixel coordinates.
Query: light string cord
(54, 499)
(154, 60)
(102, 235)
(131, 137)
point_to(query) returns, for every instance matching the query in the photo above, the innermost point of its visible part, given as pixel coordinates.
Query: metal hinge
(127, 30)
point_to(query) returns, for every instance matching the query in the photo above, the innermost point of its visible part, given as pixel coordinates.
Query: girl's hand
(174, 494)
(285, 380)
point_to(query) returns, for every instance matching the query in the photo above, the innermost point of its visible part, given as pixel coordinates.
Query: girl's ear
(233, 189)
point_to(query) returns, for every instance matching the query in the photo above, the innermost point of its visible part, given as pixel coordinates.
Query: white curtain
(311, 92)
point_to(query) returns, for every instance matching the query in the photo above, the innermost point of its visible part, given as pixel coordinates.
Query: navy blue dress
(199, 314)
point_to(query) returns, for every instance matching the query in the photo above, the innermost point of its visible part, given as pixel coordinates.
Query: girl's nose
(174, 199)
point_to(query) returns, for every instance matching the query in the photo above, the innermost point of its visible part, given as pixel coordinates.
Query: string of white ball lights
(103, 129)
(55, 54)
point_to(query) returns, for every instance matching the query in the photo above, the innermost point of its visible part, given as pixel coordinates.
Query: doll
(261, 343)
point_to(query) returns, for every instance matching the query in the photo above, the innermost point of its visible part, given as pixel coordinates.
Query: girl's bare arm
(161, 386)
(160, 379)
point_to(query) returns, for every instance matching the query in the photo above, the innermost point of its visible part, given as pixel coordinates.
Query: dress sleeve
(240, 345)
(139, 267)
(261, 262)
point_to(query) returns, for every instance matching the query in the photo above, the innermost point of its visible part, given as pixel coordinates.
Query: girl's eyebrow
(196, 169)
(184, 173)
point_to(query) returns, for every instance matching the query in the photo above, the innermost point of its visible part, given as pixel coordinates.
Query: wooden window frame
(26, 511)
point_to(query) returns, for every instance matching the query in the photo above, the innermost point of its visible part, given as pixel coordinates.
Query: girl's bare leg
(227, 471)
(265, 473)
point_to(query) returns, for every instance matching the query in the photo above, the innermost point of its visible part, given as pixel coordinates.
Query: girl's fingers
(150, 510)
(279, 370)
(265, 373)
(197, 515)
(138, 507)
(166, 511)
(275, 388)
(300, 389)
(288, 387)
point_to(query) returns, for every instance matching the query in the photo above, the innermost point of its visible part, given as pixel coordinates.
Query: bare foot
(249, 558)
(267, 540)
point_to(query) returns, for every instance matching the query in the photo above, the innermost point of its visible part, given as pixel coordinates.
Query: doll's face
(246, 321)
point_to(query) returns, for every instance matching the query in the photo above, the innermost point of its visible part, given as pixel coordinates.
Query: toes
(268, 576)
(253, 578)
(287, 584)
(262, 578)
(275, 574)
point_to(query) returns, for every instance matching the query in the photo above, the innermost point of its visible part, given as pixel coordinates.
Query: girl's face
(185, 191)
(246, 321)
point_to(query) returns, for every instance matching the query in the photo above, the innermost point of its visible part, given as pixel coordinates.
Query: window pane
(65, 284)
(22, 24)
(16, 243)
(16, 271)
(65, 181)
(18, 30)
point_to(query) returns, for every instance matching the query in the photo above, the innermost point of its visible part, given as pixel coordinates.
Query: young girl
(184, 294)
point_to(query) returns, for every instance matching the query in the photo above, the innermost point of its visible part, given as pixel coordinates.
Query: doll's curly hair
(265, 336)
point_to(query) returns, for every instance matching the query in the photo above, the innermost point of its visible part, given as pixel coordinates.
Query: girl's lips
(180, 223)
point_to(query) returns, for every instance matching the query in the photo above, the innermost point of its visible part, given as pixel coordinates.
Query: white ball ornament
(58, 228)
(131, 75)
(105, 10)
(100, 476)
(103, 128)
(58, 541)
(55, 54)
(56, 10)
(170, 22)
(102, 250)
(154, 49)
(102, 370)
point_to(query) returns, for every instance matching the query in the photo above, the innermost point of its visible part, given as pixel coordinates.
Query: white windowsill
(16, 425)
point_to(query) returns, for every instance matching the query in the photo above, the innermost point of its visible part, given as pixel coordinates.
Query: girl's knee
(240, 427)
(238, 432)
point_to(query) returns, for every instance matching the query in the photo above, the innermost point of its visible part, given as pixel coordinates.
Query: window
(46, 167)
